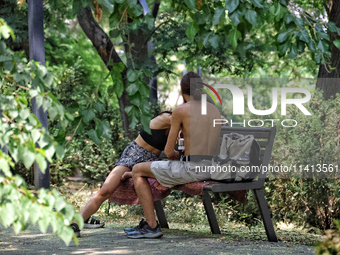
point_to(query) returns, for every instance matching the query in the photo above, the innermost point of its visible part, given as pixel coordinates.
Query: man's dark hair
(192, 82)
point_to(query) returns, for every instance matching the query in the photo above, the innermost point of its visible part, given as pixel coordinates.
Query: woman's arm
(172, 138)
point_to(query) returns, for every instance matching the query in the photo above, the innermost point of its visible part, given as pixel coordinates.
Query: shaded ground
(113, 241)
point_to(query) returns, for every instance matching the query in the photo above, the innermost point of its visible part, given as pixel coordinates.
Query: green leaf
(214, 41)
(288, 18)
(132, 89)
(337, 43)
(136, 99)
(119, 67)
(280, 12)
(318, 58)
(4, 166)
(33, 119)
(26, 156)
(257, 3)
(251, 17)
(4, 58)
(218, 16)
(304, 36)
(283, 2)
(311, 46)
(206, 39)
(134, 122)
(143, 89)
(108, 4)
(128, 109)
(66, 234)
(104, 129)
(234, 35)
(332, 27)
(52, 112)
(321, 46)
(293, 51)
(43, 141)
(48, 79)
(76, 7)
(132, 75)
(191, 31)
(88, 115)
(24, 113)
(94, 137)
(114, 33)
(41, 161)
(145, 120)
(43, 223)
(283, 48)
(150, 21)
(60, 151)
(231, 5)
(110, 90)
(59, 203)
(301, 46)
(235, 17)
(191, 4)
(49, 152)
(8, 66)
(147, 72)
(283, 37)
(100, 107)
(17, 227)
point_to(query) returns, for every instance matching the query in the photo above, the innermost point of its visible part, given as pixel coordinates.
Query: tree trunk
(106, 51)
(329, 80)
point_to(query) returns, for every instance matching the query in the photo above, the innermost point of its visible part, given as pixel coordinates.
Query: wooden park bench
(126, 194)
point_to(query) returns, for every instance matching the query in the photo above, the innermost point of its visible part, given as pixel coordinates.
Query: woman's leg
(110, 185)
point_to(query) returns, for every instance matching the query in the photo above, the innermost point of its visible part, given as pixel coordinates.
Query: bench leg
(160, 214)
(108, 209)
(209, 209)
(268, 224)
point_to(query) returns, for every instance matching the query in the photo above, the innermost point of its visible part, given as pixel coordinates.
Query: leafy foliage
(21, 133)
(330, 243)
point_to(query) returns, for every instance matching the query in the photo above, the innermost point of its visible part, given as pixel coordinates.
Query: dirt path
(114, 241)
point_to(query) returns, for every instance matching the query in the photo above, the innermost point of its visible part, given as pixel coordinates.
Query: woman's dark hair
(170, 112)
(191, 84)
(157, 114)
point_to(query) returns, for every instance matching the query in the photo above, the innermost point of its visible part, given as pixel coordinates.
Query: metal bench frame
(265, 137)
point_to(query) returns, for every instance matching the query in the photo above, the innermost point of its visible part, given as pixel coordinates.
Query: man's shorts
(173, 172)
(134, 154)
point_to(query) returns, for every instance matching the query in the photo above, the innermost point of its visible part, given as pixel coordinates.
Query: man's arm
(173, 134)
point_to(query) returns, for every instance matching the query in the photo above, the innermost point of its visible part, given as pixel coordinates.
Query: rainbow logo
(209, 93)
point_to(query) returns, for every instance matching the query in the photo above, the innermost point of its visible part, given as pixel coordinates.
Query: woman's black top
(157, 139)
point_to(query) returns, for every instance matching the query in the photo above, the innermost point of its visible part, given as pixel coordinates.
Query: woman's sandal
(76, 229)
(93, 223)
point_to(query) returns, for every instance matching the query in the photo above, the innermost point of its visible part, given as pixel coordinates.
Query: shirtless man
(201, 140)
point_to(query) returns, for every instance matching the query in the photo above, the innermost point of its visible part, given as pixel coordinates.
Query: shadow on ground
(114, 241)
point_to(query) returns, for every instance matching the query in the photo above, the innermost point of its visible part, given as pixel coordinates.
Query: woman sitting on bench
(144, 148)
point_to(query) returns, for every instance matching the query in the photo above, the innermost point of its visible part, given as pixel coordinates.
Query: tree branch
(155, 8)
(98, 37)
(106, 51)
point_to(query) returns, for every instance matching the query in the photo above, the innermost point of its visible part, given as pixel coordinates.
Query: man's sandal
(76, 229)
(93, 223)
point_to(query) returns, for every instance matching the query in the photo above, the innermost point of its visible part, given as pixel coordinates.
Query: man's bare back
(200, 136)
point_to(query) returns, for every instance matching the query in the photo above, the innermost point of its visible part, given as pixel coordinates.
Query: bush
(331, 243)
